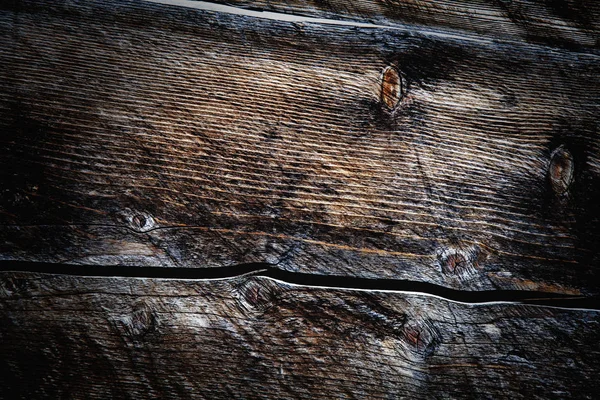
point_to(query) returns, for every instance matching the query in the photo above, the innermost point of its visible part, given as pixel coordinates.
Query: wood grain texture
(69, 337)
(138, 133)
(573, 24)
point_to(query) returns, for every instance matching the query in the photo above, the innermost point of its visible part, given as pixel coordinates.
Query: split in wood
(270, 271)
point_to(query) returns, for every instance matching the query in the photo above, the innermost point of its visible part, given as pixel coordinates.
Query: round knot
(391, 87)
(561, 170)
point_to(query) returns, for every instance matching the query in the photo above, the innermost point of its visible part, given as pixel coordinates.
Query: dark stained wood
(573, 24)
(140, 133)
(136, 134)
(69, 337)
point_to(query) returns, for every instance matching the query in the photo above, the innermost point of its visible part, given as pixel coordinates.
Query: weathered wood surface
(140, 133)
(573, 24)
(68, 337)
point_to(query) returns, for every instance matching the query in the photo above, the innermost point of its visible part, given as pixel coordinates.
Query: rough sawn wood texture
(98, 338)
(143, 134)
(139, 133)
(573, 24)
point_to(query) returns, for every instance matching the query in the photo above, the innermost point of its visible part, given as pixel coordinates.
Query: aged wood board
(136, 133)
(252, 337)
(391, 211)
(572, 24)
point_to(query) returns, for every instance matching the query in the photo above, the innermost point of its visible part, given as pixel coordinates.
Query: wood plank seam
(271, 271)
(437, 32)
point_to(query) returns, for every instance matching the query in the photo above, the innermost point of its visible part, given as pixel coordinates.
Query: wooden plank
(253, 337)
(573, 24)
(139, 133)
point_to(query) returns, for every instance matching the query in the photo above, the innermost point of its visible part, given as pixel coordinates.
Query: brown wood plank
(573, 24)
(139, 133)
(70, 337)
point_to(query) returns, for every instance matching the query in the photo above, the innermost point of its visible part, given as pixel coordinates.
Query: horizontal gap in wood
(303, 13)
(271, 271)
(288, 17)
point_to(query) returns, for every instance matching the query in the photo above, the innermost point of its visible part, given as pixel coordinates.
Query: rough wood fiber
(68, 337)
(138, 133)
(573, 24)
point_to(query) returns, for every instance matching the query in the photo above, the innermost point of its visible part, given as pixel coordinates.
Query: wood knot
(458, 261)
(560, 172)
(454, 262)
(256, 295)
(391, 87)
(141, 322)
(14, 286)
(420, 336)
(141, 222)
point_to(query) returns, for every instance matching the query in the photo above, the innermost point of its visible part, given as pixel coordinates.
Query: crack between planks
(447, 34)
(327, 282)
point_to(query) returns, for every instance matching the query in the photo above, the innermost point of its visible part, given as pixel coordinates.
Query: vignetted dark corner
(299, 199)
